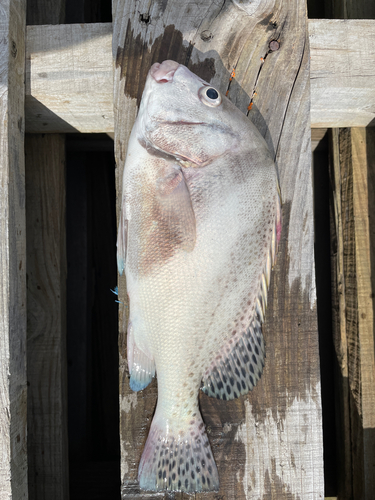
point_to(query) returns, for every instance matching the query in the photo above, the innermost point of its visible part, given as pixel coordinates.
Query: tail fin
(180, 461)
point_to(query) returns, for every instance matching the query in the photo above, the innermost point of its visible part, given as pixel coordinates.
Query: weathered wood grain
(343, 73)
(69, 76)
(363, 157)
(46, 314)
(269, 444)
(355, 172)
(13, 453)
(342, 406)
(72, 86)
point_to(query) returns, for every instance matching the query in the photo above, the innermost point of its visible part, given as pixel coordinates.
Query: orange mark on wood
(232, 75)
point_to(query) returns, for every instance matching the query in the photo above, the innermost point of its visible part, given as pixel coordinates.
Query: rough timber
(13, 448)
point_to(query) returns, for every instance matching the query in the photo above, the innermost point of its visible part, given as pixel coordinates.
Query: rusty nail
(274, 45)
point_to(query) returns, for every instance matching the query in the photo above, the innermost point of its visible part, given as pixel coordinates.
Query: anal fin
(141, 366)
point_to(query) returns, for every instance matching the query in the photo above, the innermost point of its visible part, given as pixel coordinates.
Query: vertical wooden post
(268, 444)
(46, 300)
(343, 439)
(46, 314)
(13, 406)
(353, 163)
(353, 250)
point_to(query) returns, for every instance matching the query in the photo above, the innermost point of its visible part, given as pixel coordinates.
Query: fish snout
(164, 72)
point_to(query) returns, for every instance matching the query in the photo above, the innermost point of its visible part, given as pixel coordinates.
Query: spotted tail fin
(178, 461)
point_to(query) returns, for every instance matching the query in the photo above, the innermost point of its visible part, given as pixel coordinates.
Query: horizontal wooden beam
(342, 72)
(69, 76)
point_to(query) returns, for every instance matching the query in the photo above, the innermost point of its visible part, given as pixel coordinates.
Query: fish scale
(198, 233)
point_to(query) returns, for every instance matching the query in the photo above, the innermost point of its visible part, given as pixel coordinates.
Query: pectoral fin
(176, 210)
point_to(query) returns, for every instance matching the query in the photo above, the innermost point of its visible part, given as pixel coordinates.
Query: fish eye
(212, 93)
(210, 96)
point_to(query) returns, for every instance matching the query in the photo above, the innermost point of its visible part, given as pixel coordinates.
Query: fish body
(198, 232)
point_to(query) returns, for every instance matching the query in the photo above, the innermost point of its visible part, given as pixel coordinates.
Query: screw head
(274, 45)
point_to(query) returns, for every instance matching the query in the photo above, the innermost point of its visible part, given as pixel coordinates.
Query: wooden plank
(342, 405)
(46, 300)
(363, 151)
(46, 313)
(356, 162)
(343, 73)
(13, 455)
(69, 76)
(269, 444)
(356, 173)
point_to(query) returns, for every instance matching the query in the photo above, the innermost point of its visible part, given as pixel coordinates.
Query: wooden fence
(87, 78)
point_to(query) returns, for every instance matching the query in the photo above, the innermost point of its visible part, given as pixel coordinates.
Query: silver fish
(198, 233)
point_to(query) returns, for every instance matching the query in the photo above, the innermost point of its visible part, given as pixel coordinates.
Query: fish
(199, 227)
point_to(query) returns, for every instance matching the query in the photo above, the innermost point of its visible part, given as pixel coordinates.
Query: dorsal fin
(238, 370)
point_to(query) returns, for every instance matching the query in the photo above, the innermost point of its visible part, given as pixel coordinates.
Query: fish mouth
(180, 122)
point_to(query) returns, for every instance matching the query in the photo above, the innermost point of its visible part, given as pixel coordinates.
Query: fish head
(183, 116)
